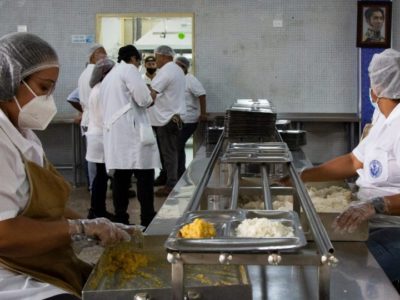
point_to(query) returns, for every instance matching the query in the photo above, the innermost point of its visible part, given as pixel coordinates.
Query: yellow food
(198, 229)
(123, 259)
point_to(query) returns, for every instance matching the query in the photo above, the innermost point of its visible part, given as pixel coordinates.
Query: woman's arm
(336, 169)
(22, 236)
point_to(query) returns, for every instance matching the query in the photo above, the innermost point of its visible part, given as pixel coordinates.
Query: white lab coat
(94, 134)
(125, 97)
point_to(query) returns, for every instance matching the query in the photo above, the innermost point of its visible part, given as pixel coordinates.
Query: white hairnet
(22, 54)
(164, 50)
(101, 68)
(93, 49)
(384, 72)
(184, 61)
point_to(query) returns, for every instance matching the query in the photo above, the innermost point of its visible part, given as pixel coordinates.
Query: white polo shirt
(380, 154)
(14, 195)
(169, 83)
(194, 89)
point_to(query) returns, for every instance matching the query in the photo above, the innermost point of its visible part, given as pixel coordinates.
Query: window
(146, 32)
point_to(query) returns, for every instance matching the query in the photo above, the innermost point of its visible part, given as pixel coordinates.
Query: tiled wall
(308, 65)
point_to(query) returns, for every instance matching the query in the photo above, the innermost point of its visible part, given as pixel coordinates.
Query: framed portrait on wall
(374, 24)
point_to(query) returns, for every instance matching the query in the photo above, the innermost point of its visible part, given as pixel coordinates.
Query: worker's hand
(101, 228)
(353, 216)
(135, 232)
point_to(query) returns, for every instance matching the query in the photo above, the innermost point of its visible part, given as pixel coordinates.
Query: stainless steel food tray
(268, 146)
(252, 102)
(226, 222)
(256, 152)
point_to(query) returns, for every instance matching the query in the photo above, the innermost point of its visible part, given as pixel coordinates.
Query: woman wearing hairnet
(36, 228)
(376, 160)
(94, 137)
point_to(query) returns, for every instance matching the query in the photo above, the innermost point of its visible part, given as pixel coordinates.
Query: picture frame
(374, 24)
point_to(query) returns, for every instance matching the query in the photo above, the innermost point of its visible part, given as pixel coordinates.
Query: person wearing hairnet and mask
(165, 116)
(36, 227)
(376, 161)
(129, 143)
(94, 138)
(95, 53)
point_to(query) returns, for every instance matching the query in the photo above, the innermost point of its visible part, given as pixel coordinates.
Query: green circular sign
(181, 35)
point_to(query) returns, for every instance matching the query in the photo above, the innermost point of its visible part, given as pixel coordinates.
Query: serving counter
(357, 275)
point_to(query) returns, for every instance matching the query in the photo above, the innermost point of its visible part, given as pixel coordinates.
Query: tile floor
(80, 197)
(80, 202)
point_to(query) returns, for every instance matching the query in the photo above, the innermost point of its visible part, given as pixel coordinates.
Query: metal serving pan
(252, 109)
(226, 222)
(252, 101)
(268, 146)
(154, 279)
(256, 152)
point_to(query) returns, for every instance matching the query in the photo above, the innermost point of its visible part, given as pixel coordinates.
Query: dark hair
(370, 10)
(125, 53)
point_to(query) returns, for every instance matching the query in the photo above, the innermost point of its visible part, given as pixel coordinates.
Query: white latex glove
(101, 228)
(353, 216)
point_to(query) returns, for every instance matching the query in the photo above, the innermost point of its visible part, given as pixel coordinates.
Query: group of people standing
(135, 123)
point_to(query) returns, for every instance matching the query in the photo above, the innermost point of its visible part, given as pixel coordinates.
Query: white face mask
(374, 104)
(37, 113)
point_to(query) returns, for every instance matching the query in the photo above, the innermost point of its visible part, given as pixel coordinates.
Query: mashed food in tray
(263, 228)
(198, 229)
(330, 199)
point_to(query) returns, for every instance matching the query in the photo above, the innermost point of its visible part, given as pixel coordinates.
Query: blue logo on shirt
(375, 168)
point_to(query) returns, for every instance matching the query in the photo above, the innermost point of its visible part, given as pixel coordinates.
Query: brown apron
(49, 193)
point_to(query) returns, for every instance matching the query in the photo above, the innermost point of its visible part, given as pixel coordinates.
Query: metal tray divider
(266, 191)
(321, 236)
(235, 186)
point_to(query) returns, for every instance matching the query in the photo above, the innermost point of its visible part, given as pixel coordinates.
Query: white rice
(263, 228)
(333, 199)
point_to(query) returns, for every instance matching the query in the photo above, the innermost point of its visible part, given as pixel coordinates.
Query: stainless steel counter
(357, 276)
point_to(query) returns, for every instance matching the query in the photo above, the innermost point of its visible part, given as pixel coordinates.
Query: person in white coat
(95, 53)
(129, 143)
(36, 226)
(376, 161)
(94, 139)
